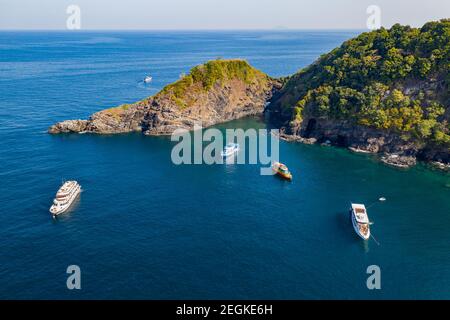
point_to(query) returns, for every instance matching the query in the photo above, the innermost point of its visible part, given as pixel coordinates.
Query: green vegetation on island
(203, 77)
(116, 112)
(391, 79)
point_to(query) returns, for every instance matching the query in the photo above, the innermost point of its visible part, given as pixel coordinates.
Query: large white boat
(230, 149)
(148, 79)
(360, 220)
(65, 197)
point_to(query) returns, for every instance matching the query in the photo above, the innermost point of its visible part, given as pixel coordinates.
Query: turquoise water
(145, 228)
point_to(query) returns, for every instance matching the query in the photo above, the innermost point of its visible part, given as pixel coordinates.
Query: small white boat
(148, 79)
(230, 149)
(65, 197)
(360, 220)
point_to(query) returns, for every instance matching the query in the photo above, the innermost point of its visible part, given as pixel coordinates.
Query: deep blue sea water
(147, 229)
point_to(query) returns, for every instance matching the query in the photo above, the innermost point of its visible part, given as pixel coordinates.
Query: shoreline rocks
(440, 165)
(399, 161)
(293, 138)
(358, 149)
(69, 126)
(395, 150)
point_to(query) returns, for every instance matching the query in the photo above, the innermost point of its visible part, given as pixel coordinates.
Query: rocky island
(215, 92)
(385, 91)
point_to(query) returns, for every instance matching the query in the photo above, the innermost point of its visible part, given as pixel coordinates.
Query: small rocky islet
(384, 92)
(215, 92)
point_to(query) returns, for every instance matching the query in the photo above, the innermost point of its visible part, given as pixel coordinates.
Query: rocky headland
(384, 92)
(215, 92)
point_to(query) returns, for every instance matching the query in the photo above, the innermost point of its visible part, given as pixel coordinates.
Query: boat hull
(57, 210)
(283, 176)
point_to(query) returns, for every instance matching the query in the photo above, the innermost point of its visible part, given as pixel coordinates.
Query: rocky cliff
(215, 92)
(385, 91)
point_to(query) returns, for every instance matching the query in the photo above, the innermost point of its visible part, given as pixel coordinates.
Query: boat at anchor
(360, 220)
(281, 170)
(65, 197)
(230, 149)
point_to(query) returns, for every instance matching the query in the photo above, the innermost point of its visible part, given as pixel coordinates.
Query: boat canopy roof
(358, 206)
(360, 212)
(280, 165)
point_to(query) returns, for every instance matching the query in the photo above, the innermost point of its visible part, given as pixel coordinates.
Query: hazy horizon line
(186, 29)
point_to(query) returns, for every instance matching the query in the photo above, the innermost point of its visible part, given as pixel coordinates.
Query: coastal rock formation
(385, 91)
(69, 126)
(125, 118)
(218, 91)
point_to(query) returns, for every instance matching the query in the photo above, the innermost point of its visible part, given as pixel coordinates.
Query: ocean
(144, 228)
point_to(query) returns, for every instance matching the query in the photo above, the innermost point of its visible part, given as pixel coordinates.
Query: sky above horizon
(217, 14)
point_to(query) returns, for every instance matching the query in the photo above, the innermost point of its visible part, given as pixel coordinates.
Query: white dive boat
(360, 220)
(148, 79)
(230, 149)
(65, 197)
